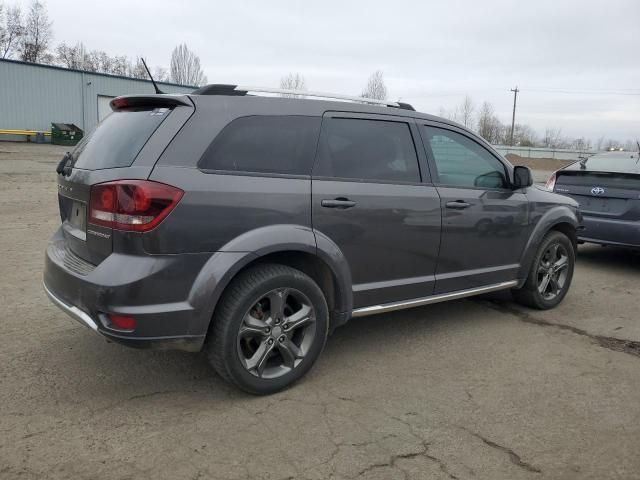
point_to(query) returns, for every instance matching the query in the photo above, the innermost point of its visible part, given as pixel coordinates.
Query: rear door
(124, 146)
(485, 224)
(373, 198)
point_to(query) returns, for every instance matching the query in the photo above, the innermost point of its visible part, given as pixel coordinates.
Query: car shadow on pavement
(610, 257)
(111, 373)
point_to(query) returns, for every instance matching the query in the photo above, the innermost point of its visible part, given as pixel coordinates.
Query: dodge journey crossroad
(252, 226)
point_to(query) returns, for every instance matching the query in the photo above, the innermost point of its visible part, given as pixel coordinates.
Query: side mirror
(522, 177)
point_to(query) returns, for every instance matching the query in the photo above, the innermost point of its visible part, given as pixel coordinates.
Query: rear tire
(269, 328)
(550, 275)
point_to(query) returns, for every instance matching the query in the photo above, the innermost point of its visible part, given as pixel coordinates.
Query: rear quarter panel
(217, 208)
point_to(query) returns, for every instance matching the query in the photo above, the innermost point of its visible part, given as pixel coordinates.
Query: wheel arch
(560, 218)
(569, 230)
(290, 245)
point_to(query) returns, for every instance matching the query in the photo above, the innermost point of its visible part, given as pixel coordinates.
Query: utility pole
(513, 118)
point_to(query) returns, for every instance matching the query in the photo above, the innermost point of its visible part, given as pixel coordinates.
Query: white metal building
(32, 96)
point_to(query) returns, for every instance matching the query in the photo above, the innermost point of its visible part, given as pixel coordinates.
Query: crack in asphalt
(393, 459)
(513, 456)
(153, 394)
(631, 347)
(443, 466)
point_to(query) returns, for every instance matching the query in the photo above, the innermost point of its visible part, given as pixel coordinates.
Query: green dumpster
(65, 134)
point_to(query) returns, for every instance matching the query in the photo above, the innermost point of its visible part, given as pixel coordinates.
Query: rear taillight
(551, 183)
(137, 205)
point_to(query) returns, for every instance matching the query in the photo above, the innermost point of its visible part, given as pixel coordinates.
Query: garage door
(104, 108)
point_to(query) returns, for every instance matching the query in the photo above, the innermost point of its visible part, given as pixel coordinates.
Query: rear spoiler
(129, 101)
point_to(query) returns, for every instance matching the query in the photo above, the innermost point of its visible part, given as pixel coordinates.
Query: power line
(585, 92)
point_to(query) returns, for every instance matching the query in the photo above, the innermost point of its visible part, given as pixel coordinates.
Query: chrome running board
(418, 302)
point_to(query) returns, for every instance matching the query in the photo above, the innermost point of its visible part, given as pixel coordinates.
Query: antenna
(151, 77)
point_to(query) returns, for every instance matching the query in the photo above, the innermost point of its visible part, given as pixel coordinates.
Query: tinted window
(118, 139)
(367, 150)
(265, 144)
(462, 162)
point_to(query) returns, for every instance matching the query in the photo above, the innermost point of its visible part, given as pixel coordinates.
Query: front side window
(265, 144)
(461, 162)
(373, 150)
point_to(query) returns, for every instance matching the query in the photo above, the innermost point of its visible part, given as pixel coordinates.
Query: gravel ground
(472, 389)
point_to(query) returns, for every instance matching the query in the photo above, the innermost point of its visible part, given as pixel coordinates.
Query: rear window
(369, 150)
(619, 162)
(118, 139)
(603, 179)
(265, 144)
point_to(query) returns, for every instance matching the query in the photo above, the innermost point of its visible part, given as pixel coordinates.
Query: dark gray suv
(253, 226)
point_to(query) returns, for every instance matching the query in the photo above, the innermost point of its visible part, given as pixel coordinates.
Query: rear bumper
(186, 343)
(73, 312)
(608, 231)
(154, 290)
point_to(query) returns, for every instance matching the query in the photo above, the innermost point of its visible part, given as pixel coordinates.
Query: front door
(485, 223)
(369, 198)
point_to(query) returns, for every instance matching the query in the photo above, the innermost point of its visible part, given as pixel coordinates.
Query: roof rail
(223, 89)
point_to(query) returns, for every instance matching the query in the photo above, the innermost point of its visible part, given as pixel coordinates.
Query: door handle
(457, 204)
(340, 202)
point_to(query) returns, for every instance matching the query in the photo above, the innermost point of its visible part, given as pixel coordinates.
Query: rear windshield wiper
(65, 165)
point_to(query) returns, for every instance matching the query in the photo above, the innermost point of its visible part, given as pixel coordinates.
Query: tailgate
(602, 194)
(125, 145)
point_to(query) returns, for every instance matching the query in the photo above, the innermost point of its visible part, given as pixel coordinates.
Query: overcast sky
(576, 62)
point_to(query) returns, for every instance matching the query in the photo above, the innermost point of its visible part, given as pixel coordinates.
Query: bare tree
(160, 74)
(11, 29)
(552, 138)
(293, 81)
(137, 70)
(98, 61)
(524, 136)
(489, 126)
(120, 66)
(599, 143)
(2, 27)
(582, 144)
(464, 112)
(72, 56)
(185, 67)
(37, 34)
(376, 88)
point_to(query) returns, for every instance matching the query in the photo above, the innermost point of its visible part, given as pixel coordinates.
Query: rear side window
(118, 139)
(375, 150)
(265, 144)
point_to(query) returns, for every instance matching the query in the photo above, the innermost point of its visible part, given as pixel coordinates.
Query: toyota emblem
(597, 190)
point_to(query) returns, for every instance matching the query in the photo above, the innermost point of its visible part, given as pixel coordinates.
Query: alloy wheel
(552, 271)
(276, 333)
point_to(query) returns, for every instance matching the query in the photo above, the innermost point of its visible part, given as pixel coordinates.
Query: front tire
(550, 274)
(269, 328)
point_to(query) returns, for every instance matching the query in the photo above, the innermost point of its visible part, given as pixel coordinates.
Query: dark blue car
(607, 186)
